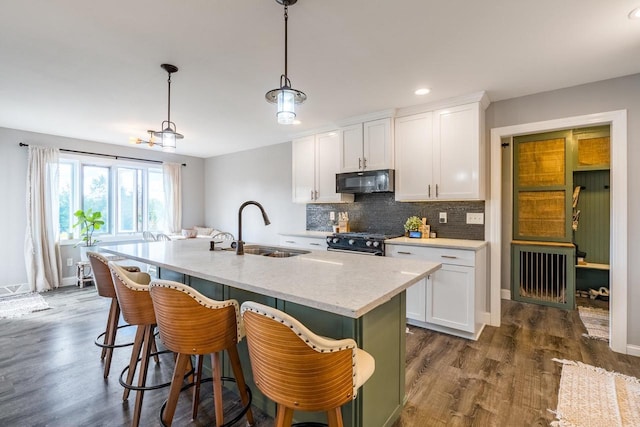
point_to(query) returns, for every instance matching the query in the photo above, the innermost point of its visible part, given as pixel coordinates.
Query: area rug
(596, 320)
(593, 397)
(18, 305)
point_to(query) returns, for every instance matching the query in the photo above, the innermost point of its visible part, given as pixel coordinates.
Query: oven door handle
(347, 251)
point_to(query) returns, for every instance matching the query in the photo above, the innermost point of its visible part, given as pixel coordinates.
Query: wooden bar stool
(104, 286)
(192, 324)
(300, 370)
(132, 289)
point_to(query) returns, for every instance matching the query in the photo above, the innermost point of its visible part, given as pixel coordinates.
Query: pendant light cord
(286, 18)
(169, 101)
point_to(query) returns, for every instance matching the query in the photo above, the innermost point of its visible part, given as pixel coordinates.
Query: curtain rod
(22, 144)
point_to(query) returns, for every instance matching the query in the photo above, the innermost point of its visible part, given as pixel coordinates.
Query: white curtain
(172, 175)
(41, 250)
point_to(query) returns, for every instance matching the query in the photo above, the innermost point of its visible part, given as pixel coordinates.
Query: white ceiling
(91, 70)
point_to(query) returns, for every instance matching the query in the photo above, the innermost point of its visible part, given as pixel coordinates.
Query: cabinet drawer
(304, 242)
(442, 255)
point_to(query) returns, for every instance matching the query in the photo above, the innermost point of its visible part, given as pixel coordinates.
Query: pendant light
(168, 134)
(286, 97)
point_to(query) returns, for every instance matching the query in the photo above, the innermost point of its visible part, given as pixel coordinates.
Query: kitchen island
(334, 294)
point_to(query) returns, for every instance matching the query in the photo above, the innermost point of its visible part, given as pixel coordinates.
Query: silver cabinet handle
(311, 194)
(316, 197)
(359, 163)
(404, 253)
(449, 256)
(429, 191)
(289, 241)
(436, 190)
(314, 244)
(364, 163)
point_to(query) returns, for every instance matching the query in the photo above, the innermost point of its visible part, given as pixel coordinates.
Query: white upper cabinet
(304, 169)
(316, 160)
(367, 146)
(440, 154)
(414, 151)
(351, 144)
(458, 146)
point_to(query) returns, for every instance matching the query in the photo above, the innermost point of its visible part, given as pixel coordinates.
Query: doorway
(561, 217)
(618, 232)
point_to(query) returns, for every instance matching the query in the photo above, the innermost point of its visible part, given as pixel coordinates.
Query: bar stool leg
(234, 358)
(142, 376)
(284, 416)
(133, 362)
(108, 331)
(196, 388)
(174, 390)
(335, 417)
(110, 335)
(217, 387)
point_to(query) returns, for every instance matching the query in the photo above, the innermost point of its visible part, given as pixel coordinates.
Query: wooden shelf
(593, 266)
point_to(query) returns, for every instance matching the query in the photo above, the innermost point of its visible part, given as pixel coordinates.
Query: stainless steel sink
(272, 251)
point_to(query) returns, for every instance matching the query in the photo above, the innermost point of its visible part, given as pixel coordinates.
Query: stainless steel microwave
(376, 181)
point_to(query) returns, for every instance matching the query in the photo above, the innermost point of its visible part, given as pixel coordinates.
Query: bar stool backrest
(295, 367)
(191, 323)
(101, 275)
(132, 289)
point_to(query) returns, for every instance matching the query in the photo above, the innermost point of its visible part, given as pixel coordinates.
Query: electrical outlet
(332, 216)
(443, 218)
(69, 262)
(475, 218)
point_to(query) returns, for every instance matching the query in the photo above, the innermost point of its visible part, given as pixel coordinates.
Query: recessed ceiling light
(422, 91)
(296, 122)
(635, 13)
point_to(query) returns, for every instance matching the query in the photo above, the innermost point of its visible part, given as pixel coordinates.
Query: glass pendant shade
(286, 107)
(168, 142)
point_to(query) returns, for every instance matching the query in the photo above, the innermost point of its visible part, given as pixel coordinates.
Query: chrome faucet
(240, 243)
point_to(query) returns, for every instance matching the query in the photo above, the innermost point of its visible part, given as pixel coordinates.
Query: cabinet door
(327, 166)
(414, 153)
(378, 145)
(457, 152)
(450, 297)
(417, 301)
(351, 148)
(303, 172)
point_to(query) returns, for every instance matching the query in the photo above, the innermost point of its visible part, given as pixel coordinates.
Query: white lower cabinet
(453, 299)
(417, 301)
(450, 297)
(313, 243)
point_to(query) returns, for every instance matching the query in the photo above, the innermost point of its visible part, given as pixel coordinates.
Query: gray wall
(13, 172)
(263, 175)
(609, 95)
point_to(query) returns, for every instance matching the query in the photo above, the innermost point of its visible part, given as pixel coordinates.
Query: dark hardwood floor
(51, 373)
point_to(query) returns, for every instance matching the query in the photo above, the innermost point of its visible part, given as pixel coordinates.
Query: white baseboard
(505, 293)
(69, 281)
(633, 350)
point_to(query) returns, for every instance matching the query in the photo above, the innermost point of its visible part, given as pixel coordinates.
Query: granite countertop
(439, 243)
(345, 284)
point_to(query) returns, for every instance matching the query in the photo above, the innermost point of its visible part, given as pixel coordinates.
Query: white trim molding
(505, 294)
(619, 212)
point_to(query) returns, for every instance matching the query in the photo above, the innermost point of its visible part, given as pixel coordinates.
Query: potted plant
(88, 221)
(413, 226)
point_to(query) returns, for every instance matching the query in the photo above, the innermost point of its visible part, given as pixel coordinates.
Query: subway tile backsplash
(380, 213)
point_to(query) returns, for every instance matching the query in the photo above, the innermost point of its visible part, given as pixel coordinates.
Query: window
(129, 195)
(66, 191)
(156, 211)
(128, 200)
(95, 193)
